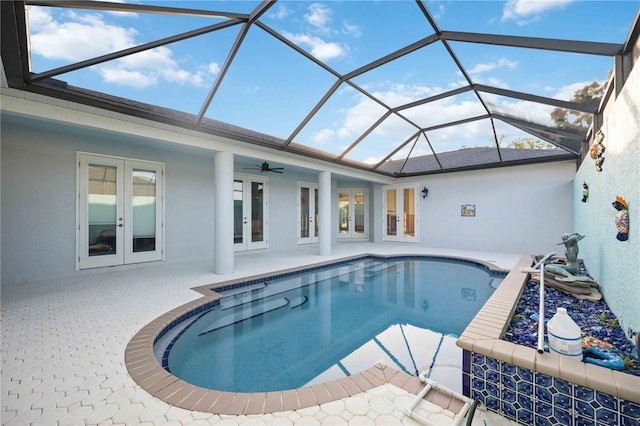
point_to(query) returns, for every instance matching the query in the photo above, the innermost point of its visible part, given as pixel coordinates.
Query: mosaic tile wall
(533, 398)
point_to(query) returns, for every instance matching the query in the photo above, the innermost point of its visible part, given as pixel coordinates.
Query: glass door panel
(344, 221)
(257, 212)
(352, 213)
(409, 212)
(304, 212)
(102, 214)
(316, 214)
(119, 211)
(238, 212)
(307, 213)
(401, 213)
(143, 216)
(249, 212)
(359, 213)
(392, 212)
(144, 210)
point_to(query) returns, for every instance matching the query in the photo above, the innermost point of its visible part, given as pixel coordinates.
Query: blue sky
(270, 88)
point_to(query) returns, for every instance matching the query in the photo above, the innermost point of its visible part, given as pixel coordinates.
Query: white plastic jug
(564, 334)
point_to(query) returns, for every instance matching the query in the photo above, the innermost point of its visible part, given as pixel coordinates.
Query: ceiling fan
(265, 168)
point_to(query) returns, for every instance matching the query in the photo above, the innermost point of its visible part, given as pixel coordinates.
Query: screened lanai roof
(394, 87)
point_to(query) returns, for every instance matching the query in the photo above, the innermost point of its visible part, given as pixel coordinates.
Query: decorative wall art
(468, 210)
(622, 218)
(585, 192)
(597, 150)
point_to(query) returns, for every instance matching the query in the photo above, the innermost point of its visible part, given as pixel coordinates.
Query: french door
(353, 220)
(400, 212)
(250, 212)
(120, 211)
(307, 213)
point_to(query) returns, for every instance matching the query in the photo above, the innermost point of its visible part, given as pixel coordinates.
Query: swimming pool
(322, 324)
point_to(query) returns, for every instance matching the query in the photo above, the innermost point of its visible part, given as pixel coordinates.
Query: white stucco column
(324, 213)
(223, 213)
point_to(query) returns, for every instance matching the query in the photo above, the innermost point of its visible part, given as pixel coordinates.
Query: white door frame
(352, 234)
(120, 205)
(401, 215)
(247, 213)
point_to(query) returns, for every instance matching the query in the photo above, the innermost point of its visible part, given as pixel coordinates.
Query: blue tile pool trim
(529, 397)
(199, 310)
(275, 276)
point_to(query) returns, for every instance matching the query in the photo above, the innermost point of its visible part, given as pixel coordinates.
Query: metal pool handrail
(541, 307)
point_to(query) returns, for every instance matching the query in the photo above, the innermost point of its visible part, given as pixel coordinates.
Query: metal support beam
(573, 46)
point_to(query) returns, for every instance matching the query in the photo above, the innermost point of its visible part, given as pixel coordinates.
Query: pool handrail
(541, 306)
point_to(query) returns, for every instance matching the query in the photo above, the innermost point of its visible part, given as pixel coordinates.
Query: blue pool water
(329, 323)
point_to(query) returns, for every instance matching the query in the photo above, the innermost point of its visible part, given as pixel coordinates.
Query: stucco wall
(519, 209)
(614, 264)
(39, 201)
(523, 209)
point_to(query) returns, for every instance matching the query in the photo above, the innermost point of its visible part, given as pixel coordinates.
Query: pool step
(359, 272)
(229, 317)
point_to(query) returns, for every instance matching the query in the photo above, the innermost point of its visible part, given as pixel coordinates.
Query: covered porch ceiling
(397, 88)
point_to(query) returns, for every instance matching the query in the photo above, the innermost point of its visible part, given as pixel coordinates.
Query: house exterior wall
(39, 199)
(39, 207)
(614, 264)
(522, 209)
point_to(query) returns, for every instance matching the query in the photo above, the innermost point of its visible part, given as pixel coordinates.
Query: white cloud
(126, 77)
(401, 94)
(490, 66)
(282, 11)
(351, 29)
(437, 11)
(75, 39)
(528, 11)
(359, 117)
(374, 160)
(323, 136)
(319, 48)
(566, 93)
(319, 17)
(213, 68)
